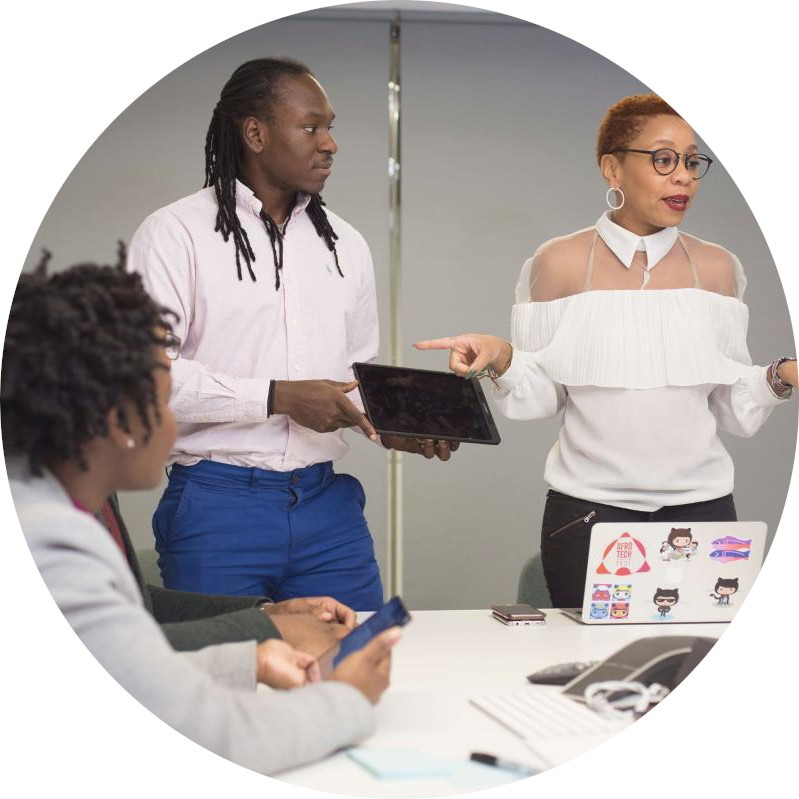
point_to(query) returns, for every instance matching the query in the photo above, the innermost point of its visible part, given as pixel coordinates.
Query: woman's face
(653, 201)
(143, 464)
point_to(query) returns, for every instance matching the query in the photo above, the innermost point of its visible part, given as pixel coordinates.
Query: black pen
(509, 765)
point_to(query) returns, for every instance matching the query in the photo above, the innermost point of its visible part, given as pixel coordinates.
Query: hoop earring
(610, 204)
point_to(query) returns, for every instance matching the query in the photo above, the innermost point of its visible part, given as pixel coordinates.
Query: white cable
(633, 700)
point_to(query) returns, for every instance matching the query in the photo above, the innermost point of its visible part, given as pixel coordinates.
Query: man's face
(299, 149)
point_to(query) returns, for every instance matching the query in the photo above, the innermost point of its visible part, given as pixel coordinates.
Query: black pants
(566, 535)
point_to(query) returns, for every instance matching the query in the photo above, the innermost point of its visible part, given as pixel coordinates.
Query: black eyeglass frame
(680, 157)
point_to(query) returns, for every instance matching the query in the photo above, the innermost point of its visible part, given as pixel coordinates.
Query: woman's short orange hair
(624, 119)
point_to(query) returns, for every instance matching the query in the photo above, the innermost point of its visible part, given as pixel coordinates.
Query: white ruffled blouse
(645, 378)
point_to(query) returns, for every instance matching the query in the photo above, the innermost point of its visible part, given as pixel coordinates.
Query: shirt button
(296, 367)
(294, 323)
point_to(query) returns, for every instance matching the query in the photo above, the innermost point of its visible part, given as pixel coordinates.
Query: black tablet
(425, 404)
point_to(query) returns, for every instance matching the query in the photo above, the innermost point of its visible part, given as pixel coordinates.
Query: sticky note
(401, 764)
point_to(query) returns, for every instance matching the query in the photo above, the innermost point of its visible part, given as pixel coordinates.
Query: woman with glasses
(637, 331)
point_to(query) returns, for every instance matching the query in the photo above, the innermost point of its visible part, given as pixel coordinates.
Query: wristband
(270, 399)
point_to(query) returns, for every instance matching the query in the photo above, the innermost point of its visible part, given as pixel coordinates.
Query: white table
(448, 656)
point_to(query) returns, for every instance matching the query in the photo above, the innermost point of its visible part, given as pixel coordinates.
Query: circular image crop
(334, 574)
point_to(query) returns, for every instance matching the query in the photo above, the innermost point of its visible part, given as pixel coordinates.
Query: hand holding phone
(392, 614)
(368, 669)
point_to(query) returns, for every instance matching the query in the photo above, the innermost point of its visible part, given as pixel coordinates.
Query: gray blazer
(207, 695)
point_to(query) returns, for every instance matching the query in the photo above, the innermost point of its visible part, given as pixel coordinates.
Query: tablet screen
(425, 404)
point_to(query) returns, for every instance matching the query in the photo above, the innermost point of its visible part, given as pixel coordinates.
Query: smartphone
(392, 614)
(518, 615)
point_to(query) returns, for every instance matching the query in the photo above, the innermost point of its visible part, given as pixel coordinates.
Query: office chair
(532, 585)
(148, 563)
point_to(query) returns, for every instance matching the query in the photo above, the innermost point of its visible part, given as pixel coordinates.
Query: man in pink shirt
(264, 383)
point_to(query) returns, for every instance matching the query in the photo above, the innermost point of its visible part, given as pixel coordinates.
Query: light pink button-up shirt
(237, 335)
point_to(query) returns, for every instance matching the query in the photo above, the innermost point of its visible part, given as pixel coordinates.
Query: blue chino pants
(222, 529)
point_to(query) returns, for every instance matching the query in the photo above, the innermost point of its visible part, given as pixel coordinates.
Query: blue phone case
(392, 614)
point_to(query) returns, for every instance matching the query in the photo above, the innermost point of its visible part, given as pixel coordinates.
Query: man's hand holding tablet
(427, 447)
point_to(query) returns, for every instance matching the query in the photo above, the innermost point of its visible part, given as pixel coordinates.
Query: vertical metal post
(394, 522)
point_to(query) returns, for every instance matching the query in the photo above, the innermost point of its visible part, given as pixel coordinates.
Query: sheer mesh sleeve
(718, 270)
(557, 269)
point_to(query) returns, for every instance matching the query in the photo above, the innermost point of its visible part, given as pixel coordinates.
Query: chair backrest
(148, 563)
(532, 585)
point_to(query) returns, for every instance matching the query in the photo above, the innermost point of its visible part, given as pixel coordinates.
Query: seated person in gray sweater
(84, 401)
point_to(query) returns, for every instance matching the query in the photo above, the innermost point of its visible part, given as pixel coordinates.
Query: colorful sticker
(679, 545)
(600, 592)
(619, 610)
(625, 555)
(723, 590)
(599, 610)
(665, 599)
(730, 549)
(622, 593)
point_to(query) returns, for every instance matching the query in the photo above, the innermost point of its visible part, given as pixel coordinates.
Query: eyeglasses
(171, 346)
(666, 160)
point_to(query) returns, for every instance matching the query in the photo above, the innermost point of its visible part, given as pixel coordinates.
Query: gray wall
(498, 136)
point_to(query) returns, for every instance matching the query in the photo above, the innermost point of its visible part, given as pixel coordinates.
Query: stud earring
(610, 204)
(130, 443)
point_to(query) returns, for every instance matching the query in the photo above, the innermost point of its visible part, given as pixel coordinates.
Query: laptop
(669, 572)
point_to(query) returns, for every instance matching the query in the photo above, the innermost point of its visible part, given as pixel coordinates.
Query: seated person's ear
(117, 435)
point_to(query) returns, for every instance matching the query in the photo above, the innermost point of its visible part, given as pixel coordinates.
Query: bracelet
(270, 399)
(779, 387)
(494, 373)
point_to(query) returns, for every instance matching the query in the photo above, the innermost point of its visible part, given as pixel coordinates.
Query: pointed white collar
(624, 242)
(245, 197)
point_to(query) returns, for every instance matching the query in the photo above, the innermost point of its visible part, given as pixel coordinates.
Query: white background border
(70, 68)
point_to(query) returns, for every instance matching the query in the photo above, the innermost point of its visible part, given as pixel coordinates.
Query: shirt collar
(624, 242)
(245, 198)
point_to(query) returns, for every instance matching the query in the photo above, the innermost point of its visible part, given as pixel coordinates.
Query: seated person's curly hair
(78, 344)
(624, 119)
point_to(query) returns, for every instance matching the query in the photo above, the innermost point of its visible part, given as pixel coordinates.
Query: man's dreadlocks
(252, 91)
(78, 344)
